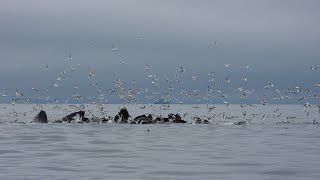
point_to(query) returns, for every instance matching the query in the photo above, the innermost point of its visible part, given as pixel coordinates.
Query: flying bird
(18, 93)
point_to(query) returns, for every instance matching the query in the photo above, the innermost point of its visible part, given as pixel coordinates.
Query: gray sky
(280, 40)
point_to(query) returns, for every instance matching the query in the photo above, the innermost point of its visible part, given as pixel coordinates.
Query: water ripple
(117, 151)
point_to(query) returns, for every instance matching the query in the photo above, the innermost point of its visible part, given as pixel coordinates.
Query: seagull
(146, 68)
(91, 74)
(18, 93)
(62, 71)
(35, 89)
(72, 69)
(182, 69)
(227, 103)
(47, 67)
(114, 48)
(212, 43)
(70, 56)
(139, 36)
(210, 108)
(298, 89)
(123, 60)
(244, 114)
(225, 96)
(247, 67)
(14, 113)
(4, 94)
(269, 85)
(227, 79)
(244, 79)
(78, 97)
(314, 68)
(56, 84)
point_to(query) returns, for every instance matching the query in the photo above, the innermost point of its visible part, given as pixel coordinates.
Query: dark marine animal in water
(240, 123)
(41, 117)
(143, 119)
(176, 118)
(198, 120)
(73, 116)
(122, 116)
(172, 118)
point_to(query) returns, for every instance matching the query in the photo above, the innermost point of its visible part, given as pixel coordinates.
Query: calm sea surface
(278, 142)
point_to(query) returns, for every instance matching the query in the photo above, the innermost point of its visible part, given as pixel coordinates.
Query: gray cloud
(274, 37)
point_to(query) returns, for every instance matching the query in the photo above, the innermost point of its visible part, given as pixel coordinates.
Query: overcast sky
(280, 40)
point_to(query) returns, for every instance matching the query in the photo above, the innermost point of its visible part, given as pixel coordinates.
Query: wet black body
(198, 120)
(70, 117)
(124, 113)
(122, 116)
(41, 117)
(240, 123)
(143, 119)
(176, 118)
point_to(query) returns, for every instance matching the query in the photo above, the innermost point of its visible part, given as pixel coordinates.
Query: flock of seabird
(171, 90)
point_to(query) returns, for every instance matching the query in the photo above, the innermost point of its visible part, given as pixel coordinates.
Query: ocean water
(278, 142)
